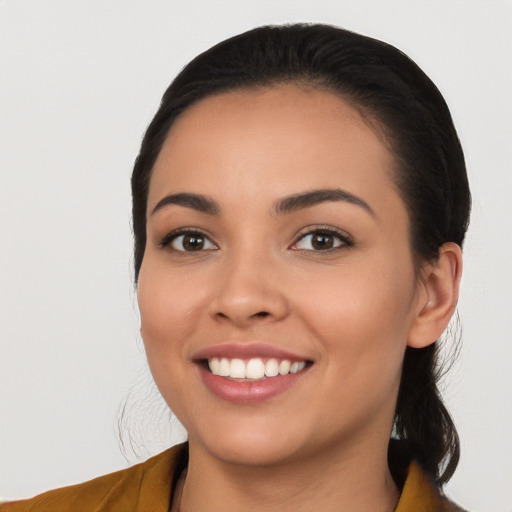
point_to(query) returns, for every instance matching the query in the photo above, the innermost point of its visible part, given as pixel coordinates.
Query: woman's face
(275, 235)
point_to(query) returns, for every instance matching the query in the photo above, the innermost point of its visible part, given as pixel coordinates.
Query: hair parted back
(397, 99)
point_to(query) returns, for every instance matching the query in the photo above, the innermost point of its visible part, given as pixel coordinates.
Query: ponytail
(422, 423)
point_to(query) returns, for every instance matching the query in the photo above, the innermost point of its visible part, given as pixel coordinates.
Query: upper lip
(247, 351)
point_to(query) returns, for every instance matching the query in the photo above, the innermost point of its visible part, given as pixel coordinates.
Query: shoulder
(420, 494)
(141, 487)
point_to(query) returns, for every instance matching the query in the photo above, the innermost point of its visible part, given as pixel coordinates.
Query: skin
(351, 310)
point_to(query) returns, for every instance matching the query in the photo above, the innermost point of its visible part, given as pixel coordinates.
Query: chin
(252, 443)
(253, 454)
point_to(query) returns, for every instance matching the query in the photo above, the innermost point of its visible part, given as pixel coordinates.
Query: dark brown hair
(397, 98)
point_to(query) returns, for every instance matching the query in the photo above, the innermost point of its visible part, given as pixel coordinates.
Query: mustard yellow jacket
(145, 487)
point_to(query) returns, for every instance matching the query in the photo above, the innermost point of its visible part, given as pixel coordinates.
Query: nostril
(221, 316)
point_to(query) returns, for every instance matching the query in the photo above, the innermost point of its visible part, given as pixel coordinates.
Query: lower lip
(254, 392)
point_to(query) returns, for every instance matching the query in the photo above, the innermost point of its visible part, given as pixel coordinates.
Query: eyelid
(166, 241)
(343, 236)
(346, 239)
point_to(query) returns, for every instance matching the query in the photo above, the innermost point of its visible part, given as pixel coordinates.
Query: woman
(299, 205)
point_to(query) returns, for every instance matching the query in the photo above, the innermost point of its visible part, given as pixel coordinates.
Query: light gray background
(79, 82)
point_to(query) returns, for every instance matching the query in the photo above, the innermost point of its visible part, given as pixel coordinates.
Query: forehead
(272, 142)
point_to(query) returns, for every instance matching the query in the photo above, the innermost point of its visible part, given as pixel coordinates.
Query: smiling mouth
(254, 369)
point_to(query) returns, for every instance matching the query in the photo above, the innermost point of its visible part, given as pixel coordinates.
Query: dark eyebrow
(197, 202)
(312, 198)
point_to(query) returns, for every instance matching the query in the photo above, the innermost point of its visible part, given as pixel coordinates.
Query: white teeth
(254, 368)
(224, 367)
(284, 367)
(271, 368)
(237, 369)
(214, 365)
(297, 367)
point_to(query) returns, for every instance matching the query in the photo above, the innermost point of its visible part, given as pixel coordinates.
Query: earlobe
(438, 296)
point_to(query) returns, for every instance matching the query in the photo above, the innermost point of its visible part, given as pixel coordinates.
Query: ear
(437, 296)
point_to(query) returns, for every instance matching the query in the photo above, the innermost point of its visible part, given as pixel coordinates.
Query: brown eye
(191, 242)
(321, 241)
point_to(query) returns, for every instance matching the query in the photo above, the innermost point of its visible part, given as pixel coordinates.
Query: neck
(357, 481)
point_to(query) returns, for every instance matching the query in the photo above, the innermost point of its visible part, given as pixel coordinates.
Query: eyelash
(344, 238)
(173, 235)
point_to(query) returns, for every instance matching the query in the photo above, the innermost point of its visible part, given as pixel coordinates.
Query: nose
(248, 292)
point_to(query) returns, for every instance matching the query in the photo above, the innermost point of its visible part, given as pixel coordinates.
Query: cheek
(362, 315)
(169, 312)
(168, 299)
